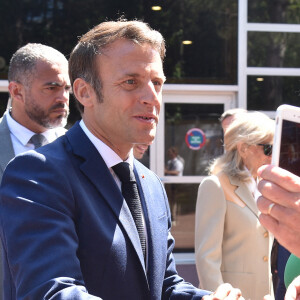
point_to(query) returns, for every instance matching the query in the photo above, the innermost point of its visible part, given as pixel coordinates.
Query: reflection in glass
(212, 27)
(210, 24)
(182, 200)
(284, 11)
(141, 152)
(272, 91)
(273, 49)
(175, 164)
(181, 119)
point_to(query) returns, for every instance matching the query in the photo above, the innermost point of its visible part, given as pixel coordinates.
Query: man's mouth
(60, 109)
(142, 148)
(148, 119)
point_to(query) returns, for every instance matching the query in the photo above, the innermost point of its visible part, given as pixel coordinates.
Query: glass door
(189, 136)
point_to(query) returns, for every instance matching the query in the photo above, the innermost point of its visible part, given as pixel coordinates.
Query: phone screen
(290, 147)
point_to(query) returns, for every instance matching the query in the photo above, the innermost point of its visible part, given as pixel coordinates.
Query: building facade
(220, 55)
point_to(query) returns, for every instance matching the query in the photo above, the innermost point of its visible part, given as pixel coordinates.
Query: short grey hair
(231, 112)
(251, 128)
(24, 60)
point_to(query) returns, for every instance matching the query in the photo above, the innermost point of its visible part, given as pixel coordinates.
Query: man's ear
(17, 91)
(83, 92)
(242, 149)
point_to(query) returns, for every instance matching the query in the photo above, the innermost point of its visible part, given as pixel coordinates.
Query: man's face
(171, 154)
(139, 150)
(132, 78)
(46, 100)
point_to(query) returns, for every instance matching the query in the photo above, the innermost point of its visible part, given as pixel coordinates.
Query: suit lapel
(244, 194)
(6, 144)
(94, 167)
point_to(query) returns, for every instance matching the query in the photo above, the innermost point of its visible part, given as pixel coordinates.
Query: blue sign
(195, 138)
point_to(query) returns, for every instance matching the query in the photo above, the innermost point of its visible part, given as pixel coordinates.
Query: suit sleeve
(209, 229)
(38, 232)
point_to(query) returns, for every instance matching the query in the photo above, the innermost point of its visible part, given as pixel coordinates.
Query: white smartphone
(286, 146)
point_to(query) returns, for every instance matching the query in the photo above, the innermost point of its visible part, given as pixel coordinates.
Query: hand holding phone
(286, 147)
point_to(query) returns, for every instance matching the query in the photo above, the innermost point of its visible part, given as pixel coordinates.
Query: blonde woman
(230, 243)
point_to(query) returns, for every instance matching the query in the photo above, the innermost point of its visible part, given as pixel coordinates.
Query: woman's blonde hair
(251, 128)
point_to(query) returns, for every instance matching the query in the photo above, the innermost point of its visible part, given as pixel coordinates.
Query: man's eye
(130, 81)
(157, 83)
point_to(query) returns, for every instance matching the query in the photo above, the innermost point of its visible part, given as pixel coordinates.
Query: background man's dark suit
(86, 235)
(6, 154)
(6, 146)
(7, 150)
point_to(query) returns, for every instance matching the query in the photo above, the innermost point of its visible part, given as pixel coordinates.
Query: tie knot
(38, 140)
(124, 171)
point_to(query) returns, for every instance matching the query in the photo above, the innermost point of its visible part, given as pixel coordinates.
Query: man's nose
(64, 96)
(151, 95)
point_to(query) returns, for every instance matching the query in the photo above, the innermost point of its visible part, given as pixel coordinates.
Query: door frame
(186, 94)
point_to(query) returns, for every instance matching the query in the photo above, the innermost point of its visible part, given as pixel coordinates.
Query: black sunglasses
(267, 149)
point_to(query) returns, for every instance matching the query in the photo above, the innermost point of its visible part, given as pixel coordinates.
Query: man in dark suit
(66, 229)
(39, 88)
(39, 103)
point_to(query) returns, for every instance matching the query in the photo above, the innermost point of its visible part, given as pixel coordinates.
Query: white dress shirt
(21, 135)
(111, 159)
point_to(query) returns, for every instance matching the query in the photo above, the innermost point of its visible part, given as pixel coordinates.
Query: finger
(263, 204)
(281, 177)
(269, 223)
(234, 294)
(278, 194)
(276, 210)
(283, 233)
(222, 291)
(285, 216)
(226, 291)
(288, 237)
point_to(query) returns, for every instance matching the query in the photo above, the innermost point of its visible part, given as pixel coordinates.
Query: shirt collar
(23, 134)
(110, 157)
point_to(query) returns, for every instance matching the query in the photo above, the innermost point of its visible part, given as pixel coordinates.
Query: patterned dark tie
(38, 140)
(130, 193)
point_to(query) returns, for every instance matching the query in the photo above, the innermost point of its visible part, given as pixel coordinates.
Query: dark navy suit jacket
(67, 233)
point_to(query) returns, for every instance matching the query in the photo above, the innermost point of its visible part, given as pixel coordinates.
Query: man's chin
(61, 122)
